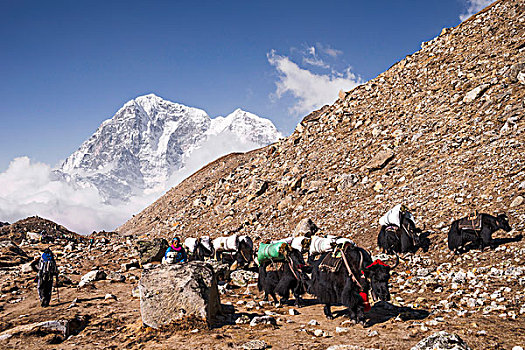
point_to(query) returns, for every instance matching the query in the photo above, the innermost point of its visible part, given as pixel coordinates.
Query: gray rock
(110, 296)
(61, 327)
(255, 345)
(268, 320)
(222, 271)
(380, 160)
(521, 77)
(515, 71)
(441, 341)
(116, 277)
(241, 278)
(127, 266)
(349, 347)
(173, 292)
(242, 320)
(346, 181)
(11, 254)
(92, 276)
(475, 93)
(293, 312)
(305, 227)
(153, 250)
(135, 292)
(459, 277)
(517, 201)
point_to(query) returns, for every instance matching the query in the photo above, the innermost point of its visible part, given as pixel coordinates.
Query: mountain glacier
(149, 140)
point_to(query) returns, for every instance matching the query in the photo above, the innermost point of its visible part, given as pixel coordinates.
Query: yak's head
(378, 273)
(296, 258)
(503, 222)
(244, 253)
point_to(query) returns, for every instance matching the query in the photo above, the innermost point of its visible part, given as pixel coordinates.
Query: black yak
(198, 248)
(477, 230)
(345, 277)
(236, 250)
(398, 232)
(284, 276)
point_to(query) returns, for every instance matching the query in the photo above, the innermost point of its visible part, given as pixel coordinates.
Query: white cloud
(30, 188)
(328, 50)
(214, 147)
(310, 90)
(313, 59)
(474, 6)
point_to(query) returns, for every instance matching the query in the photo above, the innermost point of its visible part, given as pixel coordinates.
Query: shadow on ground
(383, 311)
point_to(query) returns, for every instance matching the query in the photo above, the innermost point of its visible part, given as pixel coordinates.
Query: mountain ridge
(149, 138)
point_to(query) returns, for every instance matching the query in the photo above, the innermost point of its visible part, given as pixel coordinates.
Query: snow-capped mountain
(149, 139)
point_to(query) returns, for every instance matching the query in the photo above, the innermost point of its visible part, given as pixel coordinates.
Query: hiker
(175, 253)
(47, 269)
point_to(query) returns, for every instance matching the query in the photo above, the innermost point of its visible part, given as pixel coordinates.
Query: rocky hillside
(442, 131)
(18, 230)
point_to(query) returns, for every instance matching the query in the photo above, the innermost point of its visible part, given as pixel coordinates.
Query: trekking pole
(58, 294)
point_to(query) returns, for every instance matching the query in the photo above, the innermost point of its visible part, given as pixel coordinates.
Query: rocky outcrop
(150, 251)
(11, 254)
(18, 231)
(169, 293)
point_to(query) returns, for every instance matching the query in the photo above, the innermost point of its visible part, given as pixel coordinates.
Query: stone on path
(91, 276)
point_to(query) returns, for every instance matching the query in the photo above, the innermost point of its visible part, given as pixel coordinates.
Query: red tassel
(364, 296)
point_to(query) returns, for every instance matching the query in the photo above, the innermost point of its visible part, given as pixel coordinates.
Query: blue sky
(65, 66)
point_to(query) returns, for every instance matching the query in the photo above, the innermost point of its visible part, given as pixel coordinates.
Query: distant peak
(148, 97)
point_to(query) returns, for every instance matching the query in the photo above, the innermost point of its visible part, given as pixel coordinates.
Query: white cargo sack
(392, 217)
(342, 241)
(226, 244)
(190, 244)
(321, 245)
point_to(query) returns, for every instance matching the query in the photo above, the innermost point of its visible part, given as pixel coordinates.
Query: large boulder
(441, 341)
(150, 251)
(169, 293)
(11, 254)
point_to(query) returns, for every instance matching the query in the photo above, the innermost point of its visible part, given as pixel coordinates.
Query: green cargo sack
(273, 252)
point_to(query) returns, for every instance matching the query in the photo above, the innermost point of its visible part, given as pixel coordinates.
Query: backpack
(47, 267)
